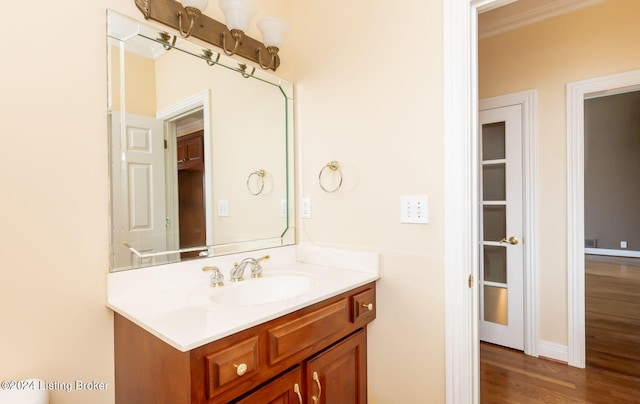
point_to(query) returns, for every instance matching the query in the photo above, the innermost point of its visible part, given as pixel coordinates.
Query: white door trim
(460, 19)
(576, 93)
(527, 99)
(201, 100)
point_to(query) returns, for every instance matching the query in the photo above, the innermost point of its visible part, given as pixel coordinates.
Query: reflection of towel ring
(333, 166)
(259, 180)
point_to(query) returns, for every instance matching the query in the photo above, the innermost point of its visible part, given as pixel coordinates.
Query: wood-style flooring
(612, 314)
(612, 376)
(511, 377)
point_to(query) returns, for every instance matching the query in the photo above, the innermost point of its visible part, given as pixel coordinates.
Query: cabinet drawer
(296, 336)
(363, 306)
(232, 365)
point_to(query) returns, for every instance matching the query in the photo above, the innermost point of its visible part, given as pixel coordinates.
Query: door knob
(512, 240)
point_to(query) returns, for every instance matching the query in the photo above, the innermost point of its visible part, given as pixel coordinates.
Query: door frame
(460, 93)
(527, 100)
(576, 93)
(201, 100)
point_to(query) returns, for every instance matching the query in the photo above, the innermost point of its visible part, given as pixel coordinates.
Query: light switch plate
(306, 208)
(414, 209)
(223, 207)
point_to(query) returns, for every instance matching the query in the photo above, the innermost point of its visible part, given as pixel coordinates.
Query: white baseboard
(554, 351)
(615, 253)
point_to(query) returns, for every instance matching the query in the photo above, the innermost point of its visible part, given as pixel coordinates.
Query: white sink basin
(268, 289)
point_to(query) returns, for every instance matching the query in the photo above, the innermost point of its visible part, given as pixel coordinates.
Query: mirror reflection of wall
(186, 138)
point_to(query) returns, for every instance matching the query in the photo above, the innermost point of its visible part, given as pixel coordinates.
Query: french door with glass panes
(501, 227)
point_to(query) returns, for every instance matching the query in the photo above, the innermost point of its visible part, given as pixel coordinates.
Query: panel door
(501, 228)
(138, 188)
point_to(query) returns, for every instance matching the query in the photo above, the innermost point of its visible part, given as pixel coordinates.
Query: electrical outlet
(223, 207)
(414, 209)
(306, 208)
(623, 244)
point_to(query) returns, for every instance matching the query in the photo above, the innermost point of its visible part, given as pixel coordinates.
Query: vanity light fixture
(193, 9)
(238, 14)
(231, 37)
(273, 31)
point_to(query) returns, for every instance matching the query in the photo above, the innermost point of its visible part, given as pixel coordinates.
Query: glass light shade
(199, 4)
(238, 13)
(273, 31)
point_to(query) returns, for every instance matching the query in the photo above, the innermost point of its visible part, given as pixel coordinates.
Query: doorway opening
(577, 93)
(612, 235)
(191, 182)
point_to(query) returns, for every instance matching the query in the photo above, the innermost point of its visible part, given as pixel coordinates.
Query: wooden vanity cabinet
(337, 375)
(321, 349)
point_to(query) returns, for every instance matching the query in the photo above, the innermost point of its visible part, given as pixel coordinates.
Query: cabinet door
(286, 389)
(339, 375)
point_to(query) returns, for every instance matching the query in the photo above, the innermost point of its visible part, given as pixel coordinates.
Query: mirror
(200, 150)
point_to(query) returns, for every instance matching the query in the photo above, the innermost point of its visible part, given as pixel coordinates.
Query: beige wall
(366, 98)
(592, 42)
(373, 101)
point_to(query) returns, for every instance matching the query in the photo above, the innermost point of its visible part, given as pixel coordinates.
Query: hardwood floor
(612, 314)
(511, 377)
(612, 335)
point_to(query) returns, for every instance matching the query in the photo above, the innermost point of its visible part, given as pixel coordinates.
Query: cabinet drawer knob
(241, 369)
(368, 306)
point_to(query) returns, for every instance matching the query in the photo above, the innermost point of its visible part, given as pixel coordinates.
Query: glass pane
(495, 264)
(495, 305)
(494, 222)
(493, 141)
(493, 182)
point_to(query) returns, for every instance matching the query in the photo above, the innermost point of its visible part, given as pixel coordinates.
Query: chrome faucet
(238, 268)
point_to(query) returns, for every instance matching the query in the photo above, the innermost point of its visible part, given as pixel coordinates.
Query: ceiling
(524, 12)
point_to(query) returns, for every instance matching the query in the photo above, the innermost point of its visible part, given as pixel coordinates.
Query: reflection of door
(139, 185)
(501, 228)
(191, 202)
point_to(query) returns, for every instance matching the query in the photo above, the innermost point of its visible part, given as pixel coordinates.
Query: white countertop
(175, 303)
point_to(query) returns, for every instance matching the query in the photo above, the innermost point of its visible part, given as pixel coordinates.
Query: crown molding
(531, 16)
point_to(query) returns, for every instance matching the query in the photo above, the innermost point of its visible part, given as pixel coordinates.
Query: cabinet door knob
(296, 389)
(368, 306)
(241, 369)
(316, 378)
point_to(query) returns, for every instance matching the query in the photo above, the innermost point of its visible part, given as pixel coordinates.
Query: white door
(501, 228)
(138, 194)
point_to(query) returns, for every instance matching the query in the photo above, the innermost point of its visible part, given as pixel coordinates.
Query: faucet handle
(217, 279)
(256, 269)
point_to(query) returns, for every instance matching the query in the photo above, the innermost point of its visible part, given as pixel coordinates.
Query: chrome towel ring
(259, 182)
(333, 166)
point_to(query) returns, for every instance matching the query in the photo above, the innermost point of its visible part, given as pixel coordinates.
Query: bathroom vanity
(178, 340)
(295, 335)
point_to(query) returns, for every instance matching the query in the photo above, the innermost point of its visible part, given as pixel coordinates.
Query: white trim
(527, 99)
(552, 350)
(531, 16)
(461, 352)
(460, 43)
(613, 253)
(576, 93)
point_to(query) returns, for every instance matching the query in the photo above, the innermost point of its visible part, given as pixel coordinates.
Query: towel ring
(259, 180)
(335, 167)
